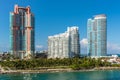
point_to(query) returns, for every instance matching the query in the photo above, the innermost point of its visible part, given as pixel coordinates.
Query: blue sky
(54, 16)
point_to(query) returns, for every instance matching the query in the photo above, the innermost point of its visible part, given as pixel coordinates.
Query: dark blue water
(89, 75)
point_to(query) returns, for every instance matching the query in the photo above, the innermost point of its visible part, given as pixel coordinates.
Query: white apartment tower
(97, 36)
(64, 45)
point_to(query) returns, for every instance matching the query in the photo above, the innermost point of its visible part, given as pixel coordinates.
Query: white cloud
(84, 43)
(113, 48)
(39, 46)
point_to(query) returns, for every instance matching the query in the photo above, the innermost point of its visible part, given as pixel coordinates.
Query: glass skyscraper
(21, 32)
(97, 36)
(64, 45)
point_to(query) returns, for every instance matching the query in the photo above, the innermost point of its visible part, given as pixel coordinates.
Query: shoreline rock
(57, 70)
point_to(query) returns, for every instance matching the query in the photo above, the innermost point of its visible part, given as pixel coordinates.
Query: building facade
(97, 36)
(64, 45)
(22, 32)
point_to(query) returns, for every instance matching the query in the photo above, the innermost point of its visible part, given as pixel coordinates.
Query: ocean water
(87, 75)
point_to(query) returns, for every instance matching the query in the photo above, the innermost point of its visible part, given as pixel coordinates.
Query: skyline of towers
(97, 36)
(22, 32)
(64, 45)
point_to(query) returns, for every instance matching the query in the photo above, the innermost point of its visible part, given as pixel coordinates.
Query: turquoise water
(89, 75)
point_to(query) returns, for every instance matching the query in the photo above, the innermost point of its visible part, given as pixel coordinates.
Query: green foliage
(74, 63)
(75, 66)
(115, 65)
(88, 63)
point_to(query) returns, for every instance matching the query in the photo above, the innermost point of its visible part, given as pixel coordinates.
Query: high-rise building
(64, 45)
(97, 36)
(22, 32)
